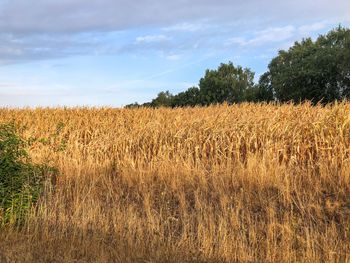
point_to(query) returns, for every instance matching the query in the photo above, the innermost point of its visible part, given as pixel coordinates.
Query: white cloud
(10, 51)
(241, 41)
(273, 34)
(44, 29)
(43, 16)
(7, 85)
(185, 27)
(173, 57)
(18, 90)
(152, 39)
(307, 29)
(286, 35)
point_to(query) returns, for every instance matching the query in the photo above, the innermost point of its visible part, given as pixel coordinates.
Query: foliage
(21, 181)
(190, 97)
(132, 105)
(313, 70)
(226, 84)
(164, 99)
(262, 91)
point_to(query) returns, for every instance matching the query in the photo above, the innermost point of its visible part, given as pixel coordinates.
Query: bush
(21, 182)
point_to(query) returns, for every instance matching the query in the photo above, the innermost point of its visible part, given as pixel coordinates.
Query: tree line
(317, 71)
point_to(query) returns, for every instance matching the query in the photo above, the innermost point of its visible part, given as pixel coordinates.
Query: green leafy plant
(21, 181)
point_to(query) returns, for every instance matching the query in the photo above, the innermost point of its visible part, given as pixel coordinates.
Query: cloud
(152, 39)
(41, 29)
(275, 34)
(286, 34)
(43, 16)
(307, 29)
(8, 85)
(18, 48)
(173, 57)
(21, 90)
(185, 27)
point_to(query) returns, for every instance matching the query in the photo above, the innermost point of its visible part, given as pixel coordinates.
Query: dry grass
(247, 183)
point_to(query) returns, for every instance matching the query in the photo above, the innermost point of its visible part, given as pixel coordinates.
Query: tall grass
(244, 183)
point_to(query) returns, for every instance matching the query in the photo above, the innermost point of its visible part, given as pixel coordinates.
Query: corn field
(241, 183)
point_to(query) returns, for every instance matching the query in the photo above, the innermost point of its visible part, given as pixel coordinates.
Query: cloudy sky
(115, 52)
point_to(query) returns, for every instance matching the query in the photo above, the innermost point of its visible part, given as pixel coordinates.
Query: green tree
(263, 91)
(132, 105)
(190, 97)
(226, 84)
(163, 99)
(313, 70)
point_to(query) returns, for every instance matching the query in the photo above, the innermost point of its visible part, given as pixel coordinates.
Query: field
(242, 183)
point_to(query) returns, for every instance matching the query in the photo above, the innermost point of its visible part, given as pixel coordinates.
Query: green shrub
(21, 182)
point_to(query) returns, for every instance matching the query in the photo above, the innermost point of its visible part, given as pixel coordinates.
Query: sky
(116, 52)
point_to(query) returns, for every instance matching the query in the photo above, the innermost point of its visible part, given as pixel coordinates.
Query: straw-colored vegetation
(244, 183)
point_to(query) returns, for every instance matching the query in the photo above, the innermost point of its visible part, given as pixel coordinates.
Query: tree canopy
(190, 97)
(313, 70)
(226, 84)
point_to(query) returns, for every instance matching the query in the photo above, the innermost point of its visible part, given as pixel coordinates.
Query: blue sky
(111, 53)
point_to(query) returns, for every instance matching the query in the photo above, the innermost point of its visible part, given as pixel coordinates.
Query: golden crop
(243, 183)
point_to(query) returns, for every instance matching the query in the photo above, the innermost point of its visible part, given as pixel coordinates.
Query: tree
(261, 92)
(132, 105)
(226, 84)
(190, 97)
(313, 70)
(164, 99)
